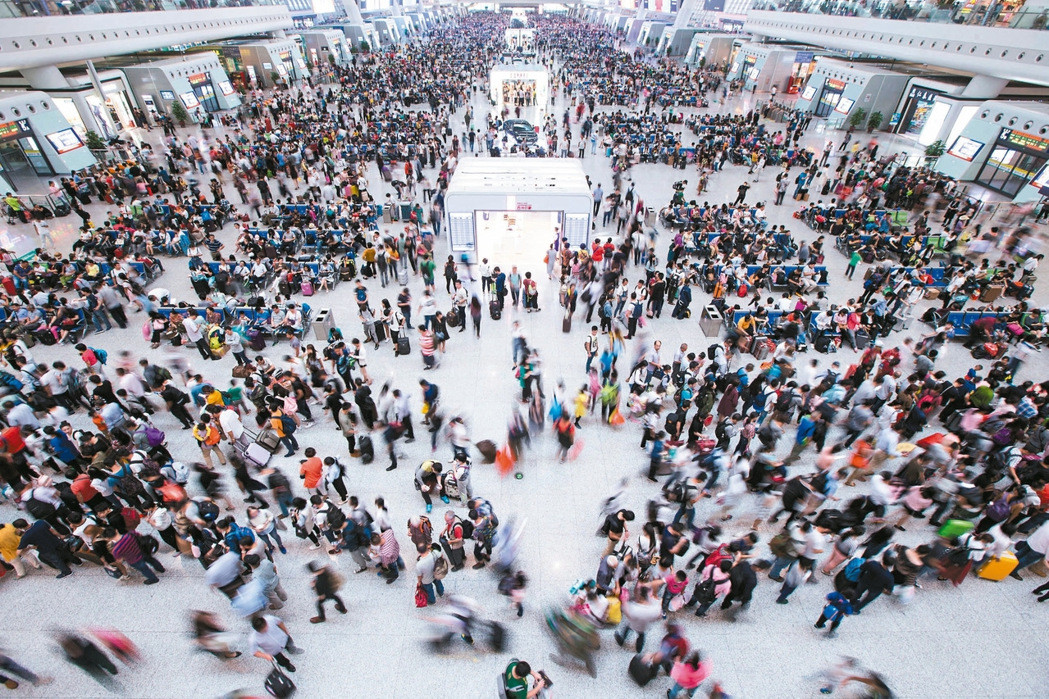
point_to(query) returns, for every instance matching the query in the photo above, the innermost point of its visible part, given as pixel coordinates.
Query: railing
(44, 8)
(990, 15)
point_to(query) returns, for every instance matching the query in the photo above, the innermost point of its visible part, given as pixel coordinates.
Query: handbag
(420, 596)
(278, 684)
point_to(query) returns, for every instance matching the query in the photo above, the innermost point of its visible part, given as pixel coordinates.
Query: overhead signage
(12, 130)
(198, 78)
(167, 95)
(923, 94)
(522, 206)
(1024, 140)
(804, 57)
(836, 85)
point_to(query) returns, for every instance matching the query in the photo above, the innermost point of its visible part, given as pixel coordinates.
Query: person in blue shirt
(806, 431)
(656, 455)
(836, 609)
(62, 446)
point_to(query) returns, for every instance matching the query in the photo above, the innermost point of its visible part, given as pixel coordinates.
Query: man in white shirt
(231, 425)
(191, 324)
(269, 638)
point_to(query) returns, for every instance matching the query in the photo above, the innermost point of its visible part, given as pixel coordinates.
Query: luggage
(367, 450)
(496, 636)
(242, 371)
(992, 293)
(257, 454)
(278, 684)
(255, 339)
(403, 346)
(402, 275)
(494, 310)
(380, 332)
(307, 288)
(566, 324)
(932, 293)
(998, 567)
(62, 209)
(953, 528)
(642, 670)
(452, 318)
(759, 348)
(268, 440)
(862, 339)
(455, 556)
(488, 450)
(12, 290)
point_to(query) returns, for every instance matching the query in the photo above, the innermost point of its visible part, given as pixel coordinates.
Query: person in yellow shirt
(208, 437)
(213, 396)
(9, 540)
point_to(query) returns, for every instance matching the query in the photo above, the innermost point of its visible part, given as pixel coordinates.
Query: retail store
(37, 141)
(263, 63)
(325, 46)
(108, 115)
(512, 210)
(1004, 148)
(836, 89)
(520, 86)
(197, 81)
(710, 49)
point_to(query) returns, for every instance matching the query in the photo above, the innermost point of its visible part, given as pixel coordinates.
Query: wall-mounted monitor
(844, 105)
(809, 92)
(965, 148)
(64, 141)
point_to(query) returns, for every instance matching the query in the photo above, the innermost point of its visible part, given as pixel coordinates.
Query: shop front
(919, 106)
(37, 141)
(829, 96)
(1015, 159)
(198, 82)
(801, 68)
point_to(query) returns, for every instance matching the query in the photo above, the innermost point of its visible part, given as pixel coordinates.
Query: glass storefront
(829, 97)
(1015, 160)
(204, 91)
(21, 159)
(916, 110)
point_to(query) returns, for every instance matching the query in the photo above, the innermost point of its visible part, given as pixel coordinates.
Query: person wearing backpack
(873, 578)
(453, 539)
(208, 438)
(430, 568)
(325, 584)
(285, 428)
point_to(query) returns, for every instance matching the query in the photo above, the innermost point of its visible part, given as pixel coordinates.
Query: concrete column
(684, 14)
(45, 78)
(353, 12)
(984, 87)
(102, 97)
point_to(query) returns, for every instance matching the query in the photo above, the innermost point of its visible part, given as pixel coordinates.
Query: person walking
(133, 549)
(836, 609)
(269, 638)
(325, 585)
(50, 549)
(639, 614)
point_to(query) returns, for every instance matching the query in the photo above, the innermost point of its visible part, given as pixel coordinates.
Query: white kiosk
(523, 39)
(510, 210)
(520, 85)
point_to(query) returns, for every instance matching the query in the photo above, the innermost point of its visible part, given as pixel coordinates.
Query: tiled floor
(983, 639)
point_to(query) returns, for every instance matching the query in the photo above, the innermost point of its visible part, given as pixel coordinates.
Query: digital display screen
(167, 95)
(225, 88)
(64, 141)
(190, 100)
(844, 105)
(809, 92)
(965, 148)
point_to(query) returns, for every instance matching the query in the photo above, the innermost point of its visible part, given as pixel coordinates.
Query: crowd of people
(853, 452)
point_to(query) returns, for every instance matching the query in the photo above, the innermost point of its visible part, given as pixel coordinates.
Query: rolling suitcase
(278, 684)
(998, 567)
(566, 324)
(257, 454)
(494, 310)
(862, 339)
(403, 346)
(268, 440)
(992, 293)
(953, 528)
(402, 275)
(307, 288)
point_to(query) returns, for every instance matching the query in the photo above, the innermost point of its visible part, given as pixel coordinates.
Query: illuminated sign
(198, 78)
(844, 105)
(809, 92)
(1024, 140)
(64, 141)
(12, 130)
(836, 85)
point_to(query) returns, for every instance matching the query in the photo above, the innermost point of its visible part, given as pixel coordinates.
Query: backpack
(208, 510)
(100, 354)
(440, 567)
(713, 350)
(288, 425)
(336, 517)
(39, 508)
(852, 569)
(154, 437)
(468, 528)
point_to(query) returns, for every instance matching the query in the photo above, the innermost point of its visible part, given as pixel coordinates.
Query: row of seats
(227, 316)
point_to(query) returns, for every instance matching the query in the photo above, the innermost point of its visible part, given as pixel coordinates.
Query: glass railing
(45, 8)
(989, 14)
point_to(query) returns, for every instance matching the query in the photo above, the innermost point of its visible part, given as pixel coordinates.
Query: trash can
(710, 321)
(322, 323)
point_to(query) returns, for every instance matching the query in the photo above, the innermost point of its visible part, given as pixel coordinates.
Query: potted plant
(179, 113)
(857, 117)
(275, 77)
(874, 121)
(365, 46)
(93, 141)
(934, 150)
